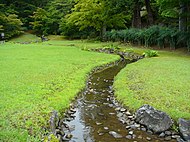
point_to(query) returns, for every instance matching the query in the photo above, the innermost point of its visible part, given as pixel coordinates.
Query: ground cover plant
(162, 82)
(153, 36)
(38, 78)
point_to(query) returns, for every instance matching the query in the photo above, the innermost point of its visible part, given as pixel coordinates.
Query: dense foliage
(92, 18)
(9, 22)
(154, 35)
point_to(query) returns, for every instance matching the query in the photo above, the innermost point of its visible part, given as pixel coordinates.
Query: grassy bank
(26, 37)
(36, 79)
(162, 82)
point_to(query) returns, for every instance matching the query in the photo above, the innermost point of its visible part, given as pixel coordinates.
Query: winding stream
(96, 116)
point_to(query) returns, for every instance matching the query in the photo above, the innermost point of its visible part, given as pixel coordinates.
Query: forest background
(93, 18)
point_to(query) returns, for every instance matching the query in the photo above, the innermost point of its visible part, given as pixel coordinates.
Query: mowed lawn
(163, 82)
(36, 79)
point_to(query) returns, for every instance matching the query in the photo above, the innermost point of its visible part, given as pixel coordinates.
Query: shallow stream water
(96, 118)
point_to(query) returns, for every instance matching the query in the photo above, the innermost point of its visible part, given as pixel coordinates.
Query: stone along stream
(97, 117)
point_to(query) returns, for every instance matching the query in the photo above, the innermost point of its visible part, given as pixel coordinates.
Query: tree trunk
(103, 31)
(150, 13)
(136, 23)
(188, 17)
(182, 17)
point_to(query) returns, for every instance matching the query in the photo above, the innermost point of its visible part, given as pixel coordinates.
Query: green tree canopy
(98, 14)
(10, 24)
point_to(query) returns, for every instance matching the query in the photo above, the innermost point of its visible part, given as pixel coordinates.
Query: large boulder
(184, 129)
(153, 119)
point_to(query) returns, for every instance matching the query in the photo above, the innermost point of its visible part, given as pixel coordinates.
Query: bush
(150, 53)
(154, 35)
(10, 25)
(71, 31)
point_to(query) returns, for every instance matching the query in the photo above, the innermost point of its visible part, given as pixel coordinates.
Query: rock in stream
(153, 119)
(184, 129)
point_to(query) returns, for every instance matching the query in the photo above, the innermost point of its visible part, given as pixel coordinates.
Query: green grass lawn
(163, 82)
(38, 78)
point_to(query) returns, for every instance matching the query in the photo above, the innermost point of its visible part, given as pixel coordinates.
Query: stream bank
(97, 116)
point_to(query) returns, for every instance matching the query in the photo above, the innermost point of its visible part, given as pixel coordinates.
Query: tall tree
(136, 22)
(182, 18)
(57, 10)
(97, 14)
(10, 24)
(40, 21)
(150, 12)
(177, 9)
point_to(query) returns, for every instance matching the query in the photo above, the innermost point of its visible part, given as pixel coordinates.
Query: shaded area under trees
(92, 18)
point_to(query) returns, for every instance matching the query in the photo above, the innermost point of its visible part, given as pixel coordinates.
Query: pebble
(110, 105)
(115, 134)
(129, 137)
(98, 123)
(175, 136)
(122, 109)
(130, 132)
(69, 119)
(128, 127)
(106, 128)
(132, 122)
(116, 104)
(140, 137)
(100, 134)
(168, 138)
(101, 114)
(128, 113)
(91, 90)
(168, 133)
(69, 136)
(111, 113)
(162, 135)
(138, 125)
(106, 103)
(122, 120)
(117, 109)
(180, 140)
(65, 139)
(134, 126)
(134, 136)
(119, 114)
(70, 112)
(130, 117)
(148, 138)
(73, 110)
(110, 92)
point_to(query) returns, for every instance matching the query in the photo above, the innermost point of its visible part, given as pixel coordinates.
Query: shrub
(150, 53)
(154, 35)
(151, 35)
